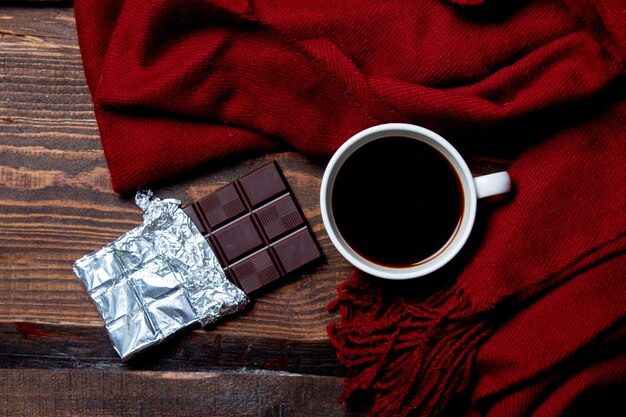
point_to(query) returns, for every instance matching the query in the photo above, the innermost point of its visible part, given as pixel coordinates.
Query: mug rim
(457, 240)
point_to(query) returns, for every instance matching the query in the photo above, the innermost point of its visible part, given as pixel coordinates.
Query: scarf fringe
(414, 357)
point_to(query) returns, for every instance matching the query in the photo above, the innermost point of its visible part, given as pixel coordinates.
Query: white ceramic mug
(473, 189)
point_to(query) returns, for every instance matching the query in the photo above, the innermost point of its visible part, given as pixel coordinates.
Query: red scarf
(529, 319)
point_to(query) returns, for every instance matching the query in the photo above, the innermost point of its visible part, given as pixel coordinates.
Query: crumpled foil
(157, 279)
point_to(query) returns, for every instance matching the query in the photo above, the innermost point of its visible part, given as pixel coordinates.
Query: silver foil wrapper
(156, 279)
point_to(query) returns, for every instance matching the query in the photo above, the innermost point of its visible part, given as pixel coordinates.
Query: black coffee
(397, 201)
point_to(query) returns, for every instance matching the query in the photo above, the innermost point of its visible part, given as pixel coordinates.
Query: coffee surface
(397, 201)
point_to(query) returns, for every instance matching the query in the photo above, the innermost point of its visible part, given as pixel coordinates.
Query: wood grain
(114, 393)
(55, 346)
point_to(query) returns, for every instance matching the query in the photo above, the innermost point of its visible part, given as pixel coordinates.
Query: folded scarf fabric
(529, 319)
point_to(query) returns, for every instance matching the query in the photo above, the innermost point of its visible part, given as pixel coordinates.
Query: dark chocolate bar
(256, 228)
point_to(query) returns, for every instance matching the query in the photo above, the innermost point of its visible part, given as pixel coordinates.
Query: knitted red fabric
(529, 319)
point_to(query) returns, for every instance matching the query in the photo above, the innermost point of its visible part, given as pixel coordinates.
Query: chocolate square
(237, 239)
(221, 206)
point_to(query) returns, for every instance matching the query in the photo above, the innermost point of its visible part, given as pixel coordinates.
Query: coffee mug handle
(492, 184)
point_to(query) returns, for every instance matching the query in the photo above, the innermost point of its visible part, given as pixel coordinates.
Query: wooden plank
(72, 392)
(54, 346)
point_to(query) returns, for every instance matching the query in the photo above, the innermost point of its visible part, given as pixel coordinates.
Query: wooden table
(273, 359)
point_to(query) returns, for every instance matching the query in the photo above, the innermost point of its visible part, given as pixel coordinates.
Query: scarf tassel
(413, 357)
